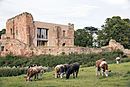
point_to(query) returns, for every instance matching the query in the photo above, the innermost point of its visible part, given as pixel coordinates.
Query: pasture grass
(119, 77)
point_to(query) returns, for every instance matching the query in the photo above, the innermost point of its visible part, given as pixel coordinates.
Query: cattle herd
(36, 71)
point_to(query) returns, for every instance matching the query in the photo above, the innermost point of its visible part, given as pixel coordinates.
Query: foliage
(11, 61)
(51, 61)
(91, 29)
(5, 72)
(117, 29)
(2, 32)
(83, 38)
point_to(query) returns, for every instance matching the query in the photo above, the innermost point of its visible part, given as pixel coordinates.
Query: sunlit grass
(119, 77)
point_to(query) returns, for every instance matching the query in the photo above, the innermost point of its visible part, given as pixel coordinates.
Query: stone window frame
(11, 31)
(64, 33)
(40, 30)
(16, 32)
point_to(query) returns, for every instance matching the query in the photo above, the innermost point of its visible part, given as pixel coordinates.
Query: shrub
(51, 61)
(5, 72)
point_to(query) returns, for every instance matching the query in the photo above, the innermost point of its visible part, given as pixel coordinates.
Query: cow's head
(68, 72)
(105, 69)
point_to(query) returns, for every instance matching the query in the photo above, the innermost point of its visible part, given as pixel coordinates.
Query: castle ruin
(27, 37)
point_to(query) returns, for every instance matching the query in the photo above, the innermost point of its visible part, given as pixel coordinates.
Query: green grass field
(119, 77)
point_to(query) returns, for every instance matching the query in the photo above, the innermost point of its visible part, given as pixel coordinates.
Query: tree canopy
(117, 29)
(84, 37)
(2, 32)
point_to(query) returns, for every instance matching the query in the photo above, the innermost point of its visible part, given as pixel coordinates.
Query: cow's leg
(74, 74)
(102, 72)
(117, 62)
(61, 75)
(56, 75)
(106, 73)
(77, 73)
(27, 79)
(40, 75)
(32, 76)
(35, 77)
(97, 71)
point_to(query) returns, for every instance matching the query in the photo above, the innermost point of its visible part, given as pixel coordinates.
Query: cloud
(79, 12)
(1, 0)
(117, 2)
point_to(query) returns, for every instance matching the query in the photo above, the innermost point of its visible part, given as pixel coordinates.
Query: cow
(34, 71)
(118, 60)
(101, 67)
(73, 69)
(59, 71)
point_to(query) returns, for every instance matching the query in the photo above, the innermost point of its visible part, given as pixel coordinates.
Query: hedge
(51, 61)
(5, 72)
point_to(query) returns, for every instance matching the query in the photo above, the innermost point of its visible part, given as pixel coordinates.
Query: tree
(93, 31)
(83, 38)
(2, 32)
(117, 29)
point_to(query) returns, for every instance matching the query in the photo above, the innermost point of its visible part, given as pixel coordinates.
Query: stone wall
(55, 33)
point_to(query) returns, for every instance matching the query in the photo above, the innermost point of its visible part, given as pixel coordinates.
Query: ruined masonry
(26, 37)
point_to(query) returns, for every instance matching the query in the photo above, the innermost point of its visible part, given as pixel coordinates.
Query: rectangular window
(38, 33)
(11, 31)
(41, 43)
(2, 48)
(16, 32)
(42, 36)
(63, 33)
(42, 33)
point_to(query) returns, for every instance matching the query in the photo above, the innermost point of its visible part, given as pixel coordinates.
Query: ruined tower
(21, 27)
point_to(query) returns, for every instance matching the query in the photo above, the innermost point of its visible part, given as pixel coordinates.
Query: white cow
(118, 60)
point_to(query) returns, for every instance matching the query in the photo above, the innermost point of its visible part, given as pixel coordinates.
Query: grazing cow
(118, 60)
(101, 67)
(34, 71)
(41, 70)
(66, 67)
(72, 69)
(59, 71)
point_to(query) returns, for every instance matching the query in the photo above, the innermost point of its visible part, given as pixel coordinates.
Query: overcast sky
(82, 13)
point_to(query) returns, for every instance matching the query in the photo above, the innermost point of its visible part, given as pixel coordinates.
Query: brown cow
(34, 71)
(101, 67)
